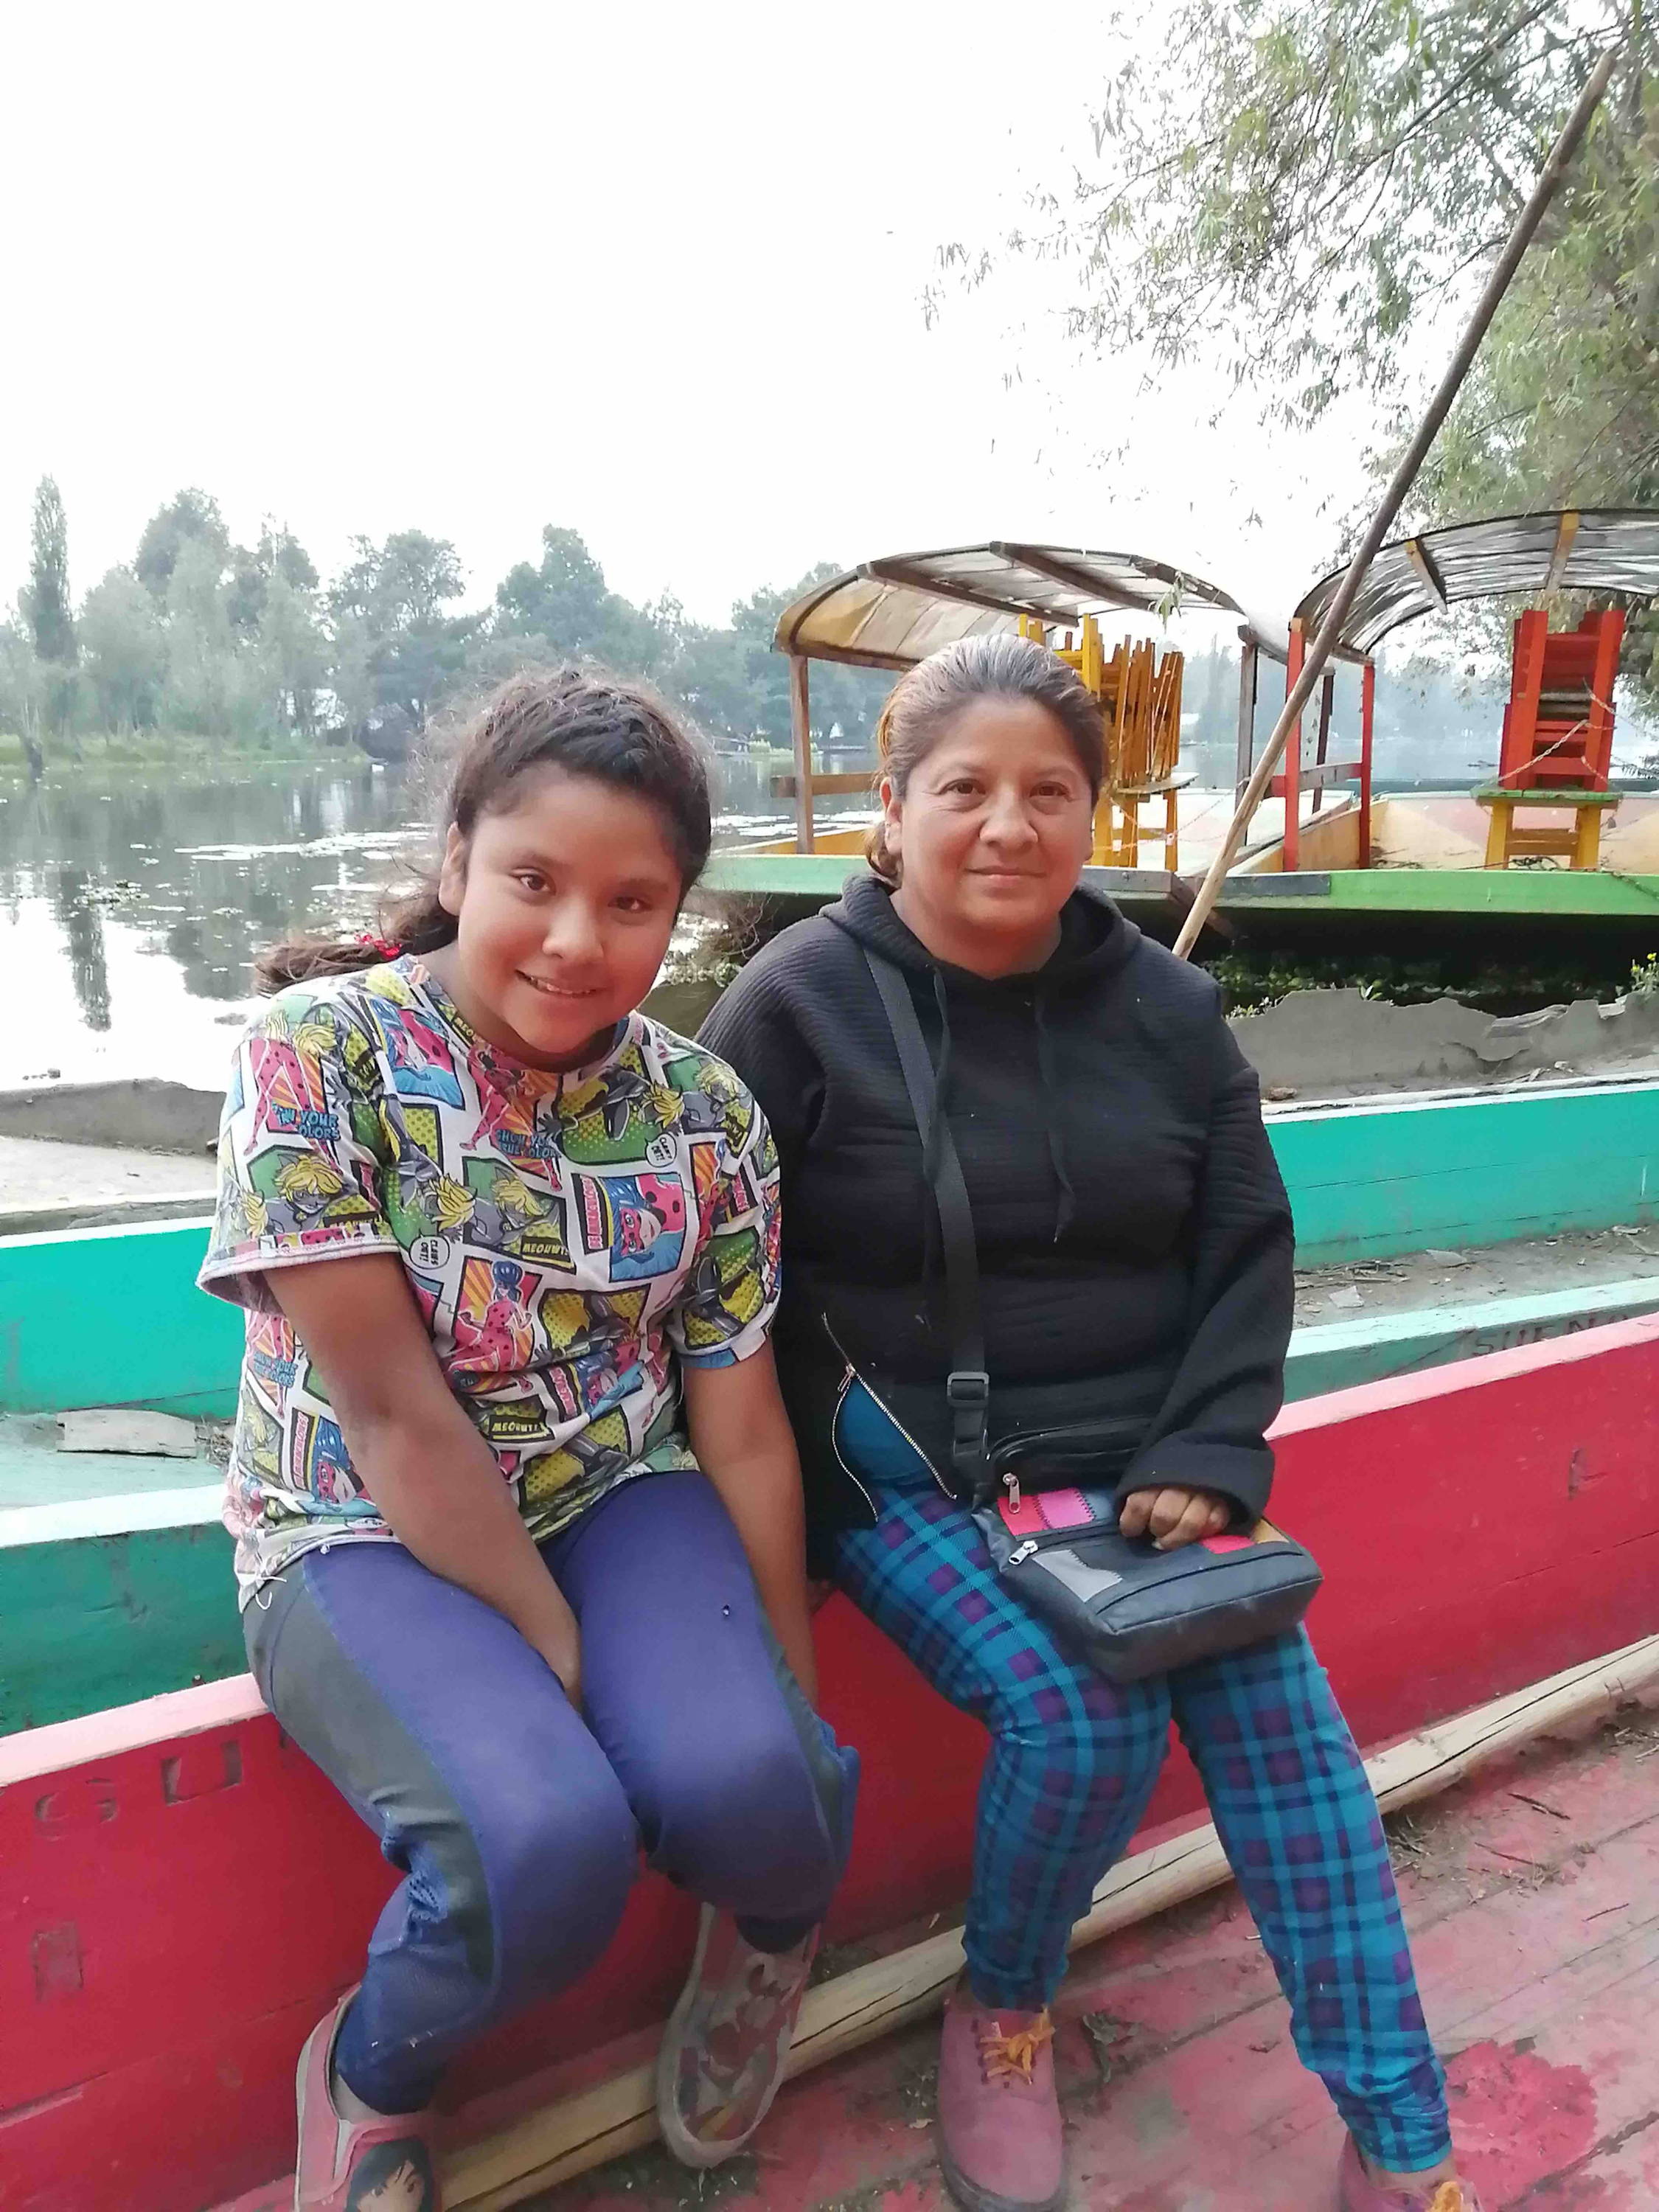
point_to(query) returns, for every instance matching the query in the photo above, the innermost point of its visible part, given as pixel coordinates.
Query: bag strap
(967, 1387)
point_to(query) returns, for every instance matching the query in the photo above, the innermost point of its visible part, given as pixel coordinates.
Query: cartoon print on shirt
(565, 1241)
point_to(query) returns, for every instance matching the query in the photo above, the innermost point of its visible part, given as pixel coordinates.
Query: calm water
(132, 901)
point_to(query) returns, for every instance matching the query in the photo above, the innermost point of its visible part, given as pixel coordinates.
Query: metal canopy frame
(1611, 550)
(1614, 550)
(892, 612)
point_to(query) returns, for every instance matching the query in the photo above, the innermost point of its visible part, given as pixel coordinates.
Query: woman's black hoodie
(1134, 1238)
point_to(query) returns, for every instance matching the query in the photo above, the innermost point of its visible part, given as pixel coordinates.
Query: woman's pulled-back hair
(928, 697)
(582, 721)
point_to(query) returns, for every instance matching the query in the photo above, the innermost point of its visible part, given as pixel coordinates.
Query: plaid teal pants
(1072, 1761)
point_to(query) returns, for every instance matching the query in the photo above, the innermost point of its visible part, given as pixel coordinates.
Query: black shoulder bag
(1118, 1601)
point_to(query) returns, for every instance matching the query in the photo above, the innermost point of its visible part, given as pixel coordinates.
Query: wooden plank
(801, 713)
(783, 787)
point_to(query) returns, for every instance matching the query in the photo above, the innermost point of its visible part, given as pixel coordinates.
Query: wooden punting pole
(1330, 630)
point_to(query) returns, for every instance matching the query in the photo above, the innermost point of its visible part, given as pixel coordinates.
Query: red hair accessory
(383, 945)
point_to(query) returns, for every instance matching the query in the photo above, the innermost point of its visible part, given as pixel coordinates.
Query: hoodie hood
(1096, 940)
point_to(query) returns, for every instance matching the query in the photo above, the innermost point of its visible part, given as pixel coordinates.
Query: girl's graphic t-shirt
(566, 1235)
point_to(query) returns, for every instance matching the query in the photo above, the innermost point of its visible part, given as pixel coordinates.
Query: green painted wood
(1551, 893)
(817, 878)
(108, 1602)
(112, 1317)
(115, 1599)
(1335, 1355)
(1365, 1182)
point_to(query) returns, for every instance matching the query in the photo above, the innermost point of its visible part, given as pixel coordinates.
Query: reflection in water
(83, 934)
(133, 901)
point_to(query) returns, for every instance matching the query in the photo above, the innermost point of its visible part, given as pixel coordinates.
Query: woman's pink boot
(999, 2145)
(1359, 2193)
(357, 2166)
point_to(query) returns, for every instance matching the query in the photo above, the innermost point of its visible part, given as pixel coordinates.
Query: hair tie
(383, 945)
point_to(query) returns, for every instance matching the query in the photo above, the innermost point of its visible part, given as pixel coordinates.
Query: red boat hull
(184, 1893)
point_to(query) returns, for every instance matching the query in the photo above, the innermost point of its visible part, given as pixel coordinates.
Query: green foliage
(123, 648)
(1252, 981)
(202, 641)
(190, 517)
(1301, 190)
(45, 607)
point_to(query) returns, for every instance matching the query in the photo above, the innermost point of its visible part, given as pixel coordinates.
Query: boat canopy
(1594, 549)
(893, 612)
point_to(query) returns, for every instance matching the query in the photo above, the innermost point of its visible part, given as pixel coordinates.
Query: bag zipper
(847, 1379)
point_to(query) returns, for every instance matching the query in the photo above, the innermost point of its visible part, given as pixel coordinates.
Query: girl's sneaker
(723, 2052)
(1359, 2193)
(999, 2142)
(357, 2166)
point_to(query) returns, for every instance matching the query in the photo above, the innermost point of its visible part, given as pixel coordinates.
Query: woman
(1135, 1251)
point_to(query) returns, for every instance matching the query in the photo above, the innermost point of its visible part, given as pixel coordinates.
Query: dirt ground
(1353, 1289)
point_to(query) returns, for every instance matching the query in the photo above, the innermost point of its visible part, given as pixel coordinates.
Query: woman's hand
(1173, 1517)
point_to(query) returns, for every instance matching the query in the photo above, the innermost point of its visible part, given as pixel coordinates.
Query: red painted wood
(1573, 743)
(1367, 727)
(184, 1893)
(1290, 780)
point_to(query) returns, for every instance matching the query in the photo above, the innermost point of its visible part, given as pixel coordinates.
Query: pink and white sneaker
(1358, 2192)
(357, 2165)
(724, 2050)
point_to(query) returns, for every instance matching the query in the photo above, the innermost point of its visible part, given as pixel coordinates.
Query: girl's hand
(1172, 1516)
(559, 1645)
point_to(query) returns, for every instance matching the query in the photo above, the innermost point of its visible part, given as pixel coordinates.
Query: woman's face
(992, 832)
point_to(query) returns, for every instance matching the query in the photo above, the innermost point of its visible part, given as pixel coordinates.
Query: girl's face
(564, 905)
(993, 828)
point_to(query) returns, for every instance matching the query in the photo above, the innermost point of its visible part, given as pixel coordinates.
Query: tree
(391, 602)
(125, 650)
(22, 692)
(849, 699)
(278, 555)
(46, 601)
(203, 689)
(292, 653)
(1303, 189)
(189, 517)
(565, 602)
(46, 606)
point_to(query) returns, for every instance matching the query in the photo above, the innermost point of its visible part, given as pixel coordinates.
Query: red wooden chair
(1557, 739)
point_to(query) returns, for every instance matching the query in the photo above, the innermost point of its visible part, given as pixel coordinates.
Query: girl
(517, 1506)
(1134, 1251)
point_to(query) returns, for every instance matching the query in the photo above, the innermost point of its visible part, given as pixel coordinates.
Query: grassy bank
(172, 749)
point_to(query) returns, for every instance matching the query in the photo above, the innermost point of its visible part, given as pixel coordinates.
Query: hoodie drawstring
(1065, 1206)
(1047, 1076)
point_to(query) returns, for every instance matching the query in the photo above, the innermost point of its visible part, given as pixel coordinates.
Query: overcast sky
(651, 272)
